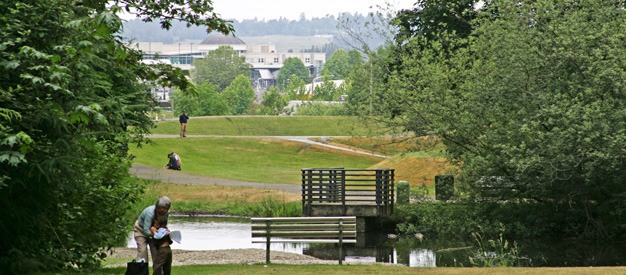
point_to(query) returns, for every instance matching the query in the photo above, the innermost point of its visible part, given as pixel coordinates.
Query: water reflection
(423, 258)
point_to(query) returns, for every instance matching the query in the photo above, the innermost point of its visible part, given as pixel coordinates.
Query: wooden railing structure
(347, 192)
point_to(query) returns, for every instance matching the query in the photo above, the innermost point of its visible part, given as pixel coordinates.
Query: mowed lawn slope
(263, 160)
(271, 126)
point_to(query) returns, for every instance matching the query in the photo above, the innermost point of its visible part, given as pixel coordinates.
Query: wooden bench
(304, 230)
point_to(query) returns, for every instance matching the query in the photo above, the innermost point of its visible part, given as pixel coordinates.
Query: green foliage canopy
(296, 89)
(239, 95)
(292, 66)
(341, 63)
(327, 91)
(220, 67)
(72, 97)
(531, 107)
(206, 102)
(274, 101)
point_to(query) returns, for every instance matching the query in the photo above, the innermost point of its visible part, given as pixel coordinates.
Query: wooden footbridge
(367, 194)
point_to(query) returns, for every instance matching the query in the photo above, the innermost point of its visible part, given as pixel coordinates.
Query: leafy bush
(495, 253)
(435, 219)
(271, 207)
(321, 109)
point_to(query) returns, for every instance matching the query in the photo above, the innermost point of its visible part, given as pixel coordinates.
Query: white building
(265, 60)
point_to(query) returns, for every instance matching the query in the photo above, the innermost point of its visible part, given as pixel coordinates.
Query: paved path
(180, 177)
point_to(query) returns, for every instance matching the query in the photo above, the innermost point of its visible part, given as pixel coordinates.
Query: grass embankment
(248, 159)
(276, 161)
(223, 200)
(418, 168)
(415, 159)
(272, 126)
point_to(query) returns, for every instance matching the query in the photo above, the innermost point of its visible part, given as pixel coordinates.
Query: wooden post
(340, 241)
(343, 192)
(267, 244)
(444, 187)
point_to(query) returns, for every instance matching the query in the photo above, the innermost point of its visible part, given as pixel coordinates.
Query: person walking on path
(183, 124)
(143, 227)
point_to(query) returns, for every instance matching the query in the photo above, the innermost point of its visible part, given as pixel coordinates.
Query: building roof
(266, 74)
(220, 39)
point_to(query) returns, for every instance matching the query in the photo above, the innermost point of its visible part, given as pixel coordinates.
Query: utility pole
(371, 82)
(190, 53)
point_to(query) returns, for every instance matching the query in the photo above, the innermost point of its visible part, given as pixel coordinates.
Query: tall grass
(271, 207)
(497, 252)
(221, 200)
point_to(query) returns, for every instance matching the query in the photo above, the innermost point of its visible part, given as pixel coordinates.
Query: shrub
(320, 109)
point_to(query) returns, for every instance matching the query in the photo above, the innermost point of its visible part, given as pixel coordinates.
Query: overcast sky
(291, 9)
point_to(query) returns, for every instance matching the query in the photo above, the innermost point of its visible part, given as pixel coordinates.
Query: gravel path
(224, 256)
(181, 177)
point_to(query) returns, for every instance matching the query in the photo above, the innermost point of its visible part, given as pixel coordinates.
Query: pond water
(234, 233)
(210, 233)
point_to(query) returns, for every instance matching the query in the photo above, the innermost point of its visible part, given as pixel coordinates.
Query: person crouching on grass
(161, 240)
(174, 161)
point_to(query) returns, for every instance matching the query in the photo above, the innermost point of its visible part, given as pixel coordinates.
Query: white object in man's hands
(176, 236)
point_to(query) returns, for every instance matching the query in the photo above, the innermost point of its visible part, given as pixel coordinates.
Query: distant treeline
(138, 30)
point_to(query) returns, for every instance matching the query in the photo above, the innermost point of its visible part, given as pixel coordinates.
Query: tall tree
(72, 97)
(220, 67)
(326, 90)
(341, 64)
(292, 66)
(296, 89)
(532, 109)
(274, 101)
(239, 95)
(432, 18)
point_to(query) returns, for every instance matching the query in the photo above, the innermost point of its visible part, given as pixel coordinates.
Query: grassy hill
(279, 161)
(272, 126)
(249, 159)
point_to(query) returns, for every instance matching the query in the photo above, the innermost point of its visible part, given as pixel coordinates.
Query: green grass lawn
(247, 159)
(271, 126)
(372, 269)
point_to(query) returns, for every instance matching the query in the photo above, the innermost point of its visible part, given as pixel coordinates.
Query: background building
(264, 59)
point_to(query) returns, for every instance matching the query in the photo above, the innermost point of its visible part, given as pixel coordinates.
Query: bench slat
(307, 234)
(262, 226)
(304, 241)
(303, 219)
